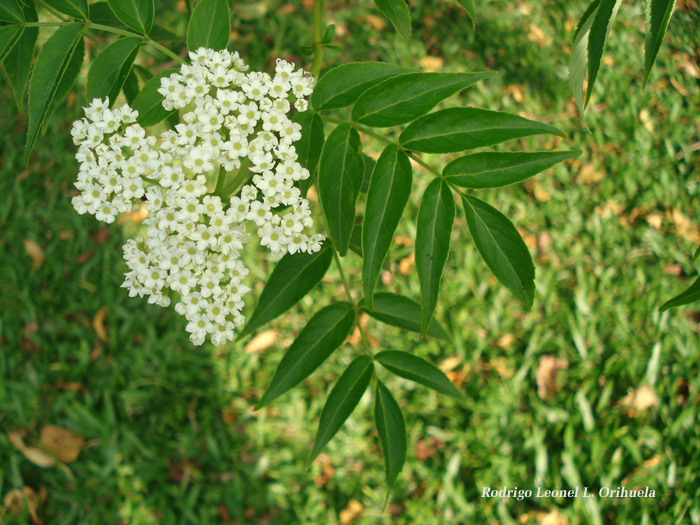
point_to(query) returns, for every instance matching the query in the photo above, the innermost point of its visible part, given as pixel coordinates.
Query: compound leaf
(419, 370)
(294, 276)
(658, 16)
(404, 98)
(339, 181)
(136, 14)
(398, 14)
(343, 85)
(458, 129)
(210, 25)
(492, 169)
(691, 295)
(433, 230)
(400, 311)
(54, 69)
(392, 432)
(342, 400)
(503, 249)
(111, 67)
(389, 189)
(323, 334)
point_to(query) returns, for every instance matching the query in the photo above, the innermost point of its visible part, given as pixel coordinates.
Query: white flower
(234, 118)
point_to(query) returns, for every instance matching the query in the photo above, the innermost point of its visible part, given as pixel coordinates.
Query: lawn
(171, 436)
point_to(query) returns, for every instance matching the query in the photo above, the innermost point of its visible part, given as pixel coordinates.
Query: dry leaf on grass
(546, 375)
(407, 263)
(262, 341)
(640, 399)
(33, 454)
(98, 324)
(15, 499)
(552, 518)
(62, 443)
(351, 512)
(449, 364)
(35, 252)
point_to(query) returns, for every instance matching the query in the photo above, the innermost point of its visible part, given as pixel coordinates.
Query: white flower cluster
(232, 121)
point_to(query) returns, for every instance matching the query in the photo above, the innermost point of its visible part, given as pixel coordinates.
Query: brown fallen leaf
(505, 341)
(552, 518)
(62, 443)
(588, 174)
(639, 400)
(262, 341)
(351, 512)
(355, 337)
(35, 253)
(407, 263)
(546, 375)
(33, 454)
(432, 64)
(15, 499)
(403, 240)
(449, 364)
(98, 323)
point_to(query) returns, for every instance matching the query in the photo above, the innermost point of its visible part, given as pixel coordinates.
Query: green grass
(173, 438)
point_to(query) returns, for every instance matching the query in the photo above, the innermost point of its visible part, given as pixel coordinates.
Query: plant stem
(367, 131)
(318, 46)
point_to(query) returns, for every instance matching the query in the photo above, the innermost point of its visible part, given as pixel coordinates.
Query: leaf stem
(346, 286)
(367, 131)
(114, 30)
(318, 45)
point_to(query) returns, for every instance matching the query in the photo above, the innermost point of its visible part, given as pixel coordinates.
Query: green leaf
(370, 163)
(111, 67)
(18, 62)
(502, 248)
(210, 25)
(402, 312)
(149, 103)
(343, 85)
(75, 8)
(102, 14)
(293, 277)
(398, 14)
(404, 98)
(328, 35)
(392, 432)
(433, 230)
(11, 11)
(695, 255)
(55, 61)
(419, 370)
(72, 70)
(342, 400)
(339, 181)
(579, 55)
(9, 35)
(691, 295)
(387, 196)
(131, 87)
(160, 34)
(496, 169)
(470, 8)
(458, 129)
(597, 37)
(658, 16)
(324, 333)
(309, 146)
(136, 14)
